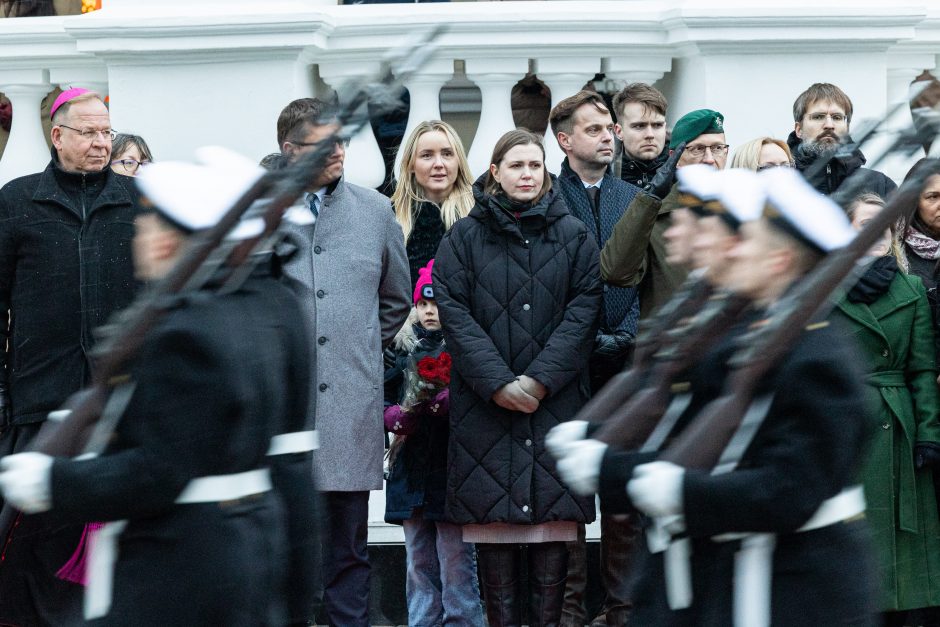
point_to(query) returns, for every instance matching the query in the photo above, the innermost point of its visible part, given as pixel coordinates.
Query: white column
(624, 70)
(495, 78)
(902, 70)
(26, 150)
(564, 76)
(424, 89)
(364, 163)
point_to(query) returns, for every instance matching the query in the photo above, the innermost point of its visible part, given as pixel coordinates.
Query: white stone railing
(184, 73)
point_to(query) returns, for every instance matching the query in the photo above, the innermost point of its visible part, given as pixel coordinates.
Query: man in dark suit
(584, 129)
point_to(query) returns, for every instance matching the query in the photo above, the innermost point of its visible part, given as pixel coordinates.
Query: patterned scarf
(924, 246)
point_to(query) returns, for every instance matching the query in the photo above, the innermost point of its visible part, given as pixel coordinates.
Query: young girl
(441, 586)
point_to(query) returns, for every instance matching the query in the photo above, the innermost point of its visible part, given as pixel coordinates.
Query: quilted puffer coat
(518, 293)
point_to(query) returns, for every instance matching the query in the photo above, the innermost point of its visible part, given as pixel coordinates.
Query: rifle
(634, 422)
(688, 299)
(702, 443)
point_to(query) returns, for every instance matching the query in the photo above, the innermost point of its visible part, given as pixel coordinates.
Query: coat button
(886, 426)
(528, 442)
(525, 508)
(320, 293)
(527, 241)
(317, 250)
(526, 307)
(323, 387)
(884, 353)
(321, 340)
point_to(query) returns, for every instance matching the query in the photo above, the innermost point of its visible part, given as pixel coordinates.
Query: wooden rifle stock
(702, 443)
(687, 301)
(633, 422)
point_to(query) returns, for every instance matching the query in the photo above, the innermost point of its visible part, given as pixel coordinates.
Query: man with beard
(585, 132)
(821, 117)
(641, 128)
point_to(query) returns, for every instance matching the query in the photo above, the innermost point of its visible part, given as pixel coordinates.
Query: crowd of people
(440, 344)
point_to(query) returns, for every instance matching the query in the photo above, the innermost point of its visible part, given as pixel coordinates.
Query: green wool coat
(896, 334)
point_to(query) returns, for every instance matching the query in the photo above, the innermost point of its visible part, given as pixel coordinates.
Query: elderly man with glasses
(635, 253)
(65, 267)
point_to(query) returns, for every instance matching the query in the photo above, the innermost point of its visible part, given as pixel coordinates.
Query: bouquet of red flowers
(425, 378)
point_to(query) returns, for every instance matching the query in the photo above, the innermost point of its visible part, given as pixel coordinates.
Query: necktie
(315, 205)
(592, 193)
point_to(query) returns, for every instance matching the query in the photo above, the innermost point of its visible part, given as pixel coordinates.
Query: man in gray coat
(352, 274)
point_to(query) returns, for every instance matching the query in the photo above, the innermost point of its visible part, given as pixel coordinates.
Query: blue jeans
(442, 586)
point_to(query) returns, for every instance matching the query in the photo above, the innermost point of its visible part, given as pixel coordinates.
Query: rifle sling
(744, 434)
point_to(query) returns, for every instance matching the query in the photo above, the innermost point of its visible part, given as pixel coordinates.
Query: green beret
(696, 123)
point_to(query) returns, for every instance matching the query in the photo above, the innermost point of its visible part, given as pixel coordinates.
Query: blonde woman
(762, 153)
(434, 189)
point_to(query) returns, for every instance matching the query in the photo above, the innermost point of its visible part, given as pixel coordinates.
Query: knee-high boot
(499, 574)
(548, 568)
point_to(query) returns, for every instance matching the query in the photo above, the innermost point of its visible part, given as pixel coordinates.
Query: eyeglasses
(129, 165)
(90, 135)
(718, 150)
(338, 141)
(769, 166)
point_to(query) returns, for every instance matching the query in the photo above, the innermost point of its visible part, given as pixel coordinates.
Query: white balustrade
(495, 78)
(26, 150)
(365, 165)
(565, 76)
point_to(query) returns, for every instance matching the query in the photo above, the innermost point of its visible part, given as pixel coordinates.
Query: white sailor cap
(794, 206)
(699, 180)
(742, 196)
(195, 196)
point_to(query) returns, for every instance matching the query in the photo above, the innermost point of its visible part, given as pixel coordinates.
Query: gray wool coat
(351, 273)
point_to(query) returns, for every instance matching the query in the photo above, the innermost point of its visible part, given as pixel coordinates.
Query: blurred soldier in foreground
(198, 534)
(777, 538)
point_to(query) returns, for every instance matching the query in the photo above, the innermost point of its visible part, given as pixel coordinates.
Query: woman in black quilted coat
(518, 295)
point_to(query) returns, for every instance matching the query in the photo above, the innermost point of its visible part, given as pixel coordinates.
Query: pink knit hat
(424, 288)
(65, 96)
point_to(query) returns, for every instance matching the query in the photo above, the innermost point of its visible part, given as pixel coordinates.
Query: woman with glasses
(128, 153)
(761, 154)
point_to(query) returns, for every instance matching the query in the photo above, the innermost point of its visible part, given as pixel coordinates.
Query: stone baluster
(495, 78)
(26, 151)
(424, 89)
(364, 163)
(565, 76)
(901, 72)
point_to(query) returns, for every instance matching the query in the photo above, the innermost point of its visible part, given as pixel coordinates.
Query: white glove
(580, 466)
(656, 488)
(560, 437)
(26, 481)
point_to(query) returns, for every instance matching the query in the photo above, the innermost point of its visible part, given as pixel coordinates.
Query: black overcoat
(213, 384)
(65, 267)
(517, 295)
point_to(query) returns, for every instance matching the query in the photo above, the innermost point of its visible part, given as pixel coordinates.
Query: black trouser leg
(548, 569)
(618, 535)
(499, 574)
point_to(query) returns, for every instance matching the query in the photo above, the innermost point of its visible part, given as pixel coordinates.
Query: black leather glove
(926, 455)
(613, 345)
(665, 176)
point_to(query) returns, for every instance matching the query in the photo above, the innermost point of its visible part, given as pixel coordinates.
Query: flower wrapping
(424, 378)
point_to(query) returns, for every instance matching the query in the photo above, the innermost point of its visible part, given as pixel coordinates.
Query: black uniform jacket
(214, 381)
(809, 447)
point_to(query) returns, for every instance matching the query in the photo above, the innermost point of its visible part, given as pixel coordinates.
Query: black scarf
(875, 282)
